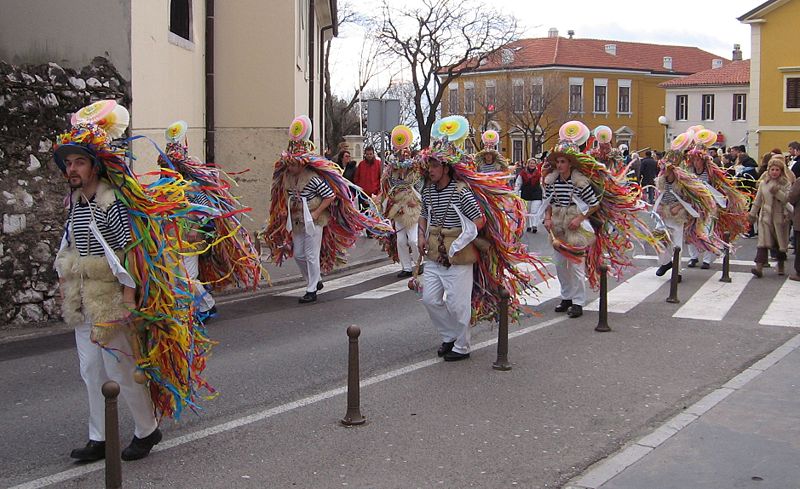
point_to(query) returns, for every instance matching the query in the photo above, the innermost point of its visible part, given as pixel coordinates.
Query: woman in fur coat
(771, 211)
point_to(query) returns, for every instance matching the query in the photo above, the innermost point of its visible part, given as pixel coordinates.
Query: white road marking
(268, 413)
(785, 307)
(385, 291)
(347, 280)
(714, 299)
(631, 292)
(743, 263)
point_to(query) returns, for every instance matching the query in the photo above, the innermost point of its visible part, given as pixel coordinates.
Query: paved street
(573, 397)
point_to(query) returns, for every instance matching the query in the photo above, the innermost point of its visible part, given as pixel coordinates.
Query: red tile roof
(591, 53)
(734, 73)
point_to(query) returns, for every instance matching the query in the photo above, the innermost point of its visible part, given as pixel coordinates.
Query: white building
(715, 98)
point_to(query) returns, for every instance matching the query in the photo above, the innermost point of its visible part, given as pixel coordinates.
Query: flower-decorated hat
(604, 152)
(401, 137)
(571, 136)
(93, 129)
(490, 140)
(300, 144)
(176, 150)
(448, 136)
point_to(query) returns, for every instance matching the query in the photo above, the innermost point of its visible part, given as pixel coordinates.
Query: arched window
(180, 18)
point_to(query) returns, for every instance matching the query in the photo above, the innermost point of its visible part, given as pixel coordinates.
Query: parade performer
(313, 213)
(772, 213)
(730, 216)
(400, 186)
(218, 251)
(471, 227)
(591, 212)
(123, 285)
(489, 159)
(683, 206)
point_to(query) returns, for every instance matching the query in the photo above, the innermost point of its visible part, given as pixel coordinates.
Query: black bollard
(726, 260)
(110, 391)
(602, 320)
(675, 277)
(353, 416)
(502, 334)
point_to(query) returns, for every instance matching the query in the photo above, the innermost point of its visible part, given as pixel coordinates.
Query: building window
(739, 106)
(453, 99)
(707, 108)
(624, 97)
(491, 95)
(469, 98)
(180, 18)
(576, 94)
(792, 93)
(601, 95)
(518, 96)
(516, 150)
(682, 107)
(537, 95)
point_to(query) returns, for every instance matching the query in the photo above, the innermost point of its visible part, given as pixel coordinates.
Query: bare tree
(536, 108)
(438, 42)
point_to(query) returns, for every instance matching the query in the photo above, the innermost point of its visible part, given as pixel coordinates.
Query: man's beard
(75, 182)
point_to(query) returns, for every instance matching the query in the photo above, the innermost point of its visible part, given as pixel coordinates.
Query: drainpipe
(209, 86)
(311, 35)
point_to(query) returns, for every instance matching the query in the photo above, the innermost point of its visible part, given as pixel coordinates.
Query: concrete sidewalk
(744, 434)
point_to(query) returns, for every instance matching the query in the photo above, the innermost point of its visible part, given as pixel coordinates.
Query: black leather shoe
(692, 263)
(404, 274)
(445, 348)
(94, 450)
(454, 356)
(575, 311)
(140, 447)
(320, 285)
(308, 298)
(705, 266)
(534, 230)
(564, 305)
(663, 269)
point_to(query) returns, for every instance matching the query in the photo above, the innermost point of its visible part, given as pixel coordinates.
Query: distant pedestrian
(528, 186)
(347, 165)
(772, 214)
(647, 173)
(368, 176)
(794, 200)
(794, 162)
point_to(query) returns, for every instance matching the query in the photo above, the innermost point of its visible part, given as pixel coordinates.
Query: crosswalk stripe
(684, 259)
(784, 310)
(714, 299)
(385, 291)
(547, 290)
(631, 292)
(347, 280)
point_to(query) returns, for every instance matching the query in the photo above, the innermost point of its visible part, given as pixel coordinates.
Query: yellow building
(532, 86)
(774, 75)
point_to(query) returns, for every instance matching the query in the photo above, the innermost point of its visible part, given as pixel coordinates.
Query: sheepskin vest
(297, 185)
(91, 291)
(404, 205)
(561, 216)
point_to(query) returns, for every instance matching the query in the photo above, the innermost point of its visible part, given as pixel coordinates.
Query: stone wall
(36, 103)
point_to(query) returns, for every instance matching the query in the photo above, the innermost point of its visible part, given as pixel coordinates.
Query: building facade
(529, 88)
(236, 72)
(716, 98)
(774, 119)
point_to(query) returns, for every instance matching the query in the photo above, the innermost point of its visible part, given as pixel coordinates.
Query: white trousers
(572, 277)
(98, 367)
(694, 253)
(451, 316)
(192, 264)
(676, 233)
(306, 254)
(533, 208)
(407, 237)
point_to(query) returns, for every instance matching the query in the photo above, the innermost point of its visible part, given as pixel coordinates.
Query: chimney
(553, 32)
(716, 63)
(668, 63)
(611, 49)
(737, 52)
(570, 33)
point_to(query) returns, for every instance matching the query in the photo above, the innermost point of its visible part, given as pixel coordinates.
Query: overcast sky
(711, 26)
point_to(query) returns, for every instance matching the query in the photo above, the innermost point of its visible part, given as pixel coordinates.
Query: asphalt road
(573, 396)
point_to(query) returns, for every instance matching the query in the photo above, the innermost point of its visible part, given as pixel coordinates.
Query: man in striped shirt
(572, 199)
(309, 198)
(91, 293)
(449, 221)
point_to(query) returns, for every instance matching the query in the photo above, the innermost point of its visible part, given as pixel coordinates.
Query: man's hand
(575, 223)
(422, 244)
(548, 223)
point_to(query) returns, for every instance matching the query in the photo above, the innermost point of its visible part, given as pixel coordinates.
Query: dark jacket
(648, 171)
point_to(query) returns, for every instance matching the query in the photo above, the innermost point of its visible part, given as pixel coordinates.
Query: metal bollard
(110, 391)
(602, 320)
(726, 260)
(675, 277)
(502, 334)
(353, 416)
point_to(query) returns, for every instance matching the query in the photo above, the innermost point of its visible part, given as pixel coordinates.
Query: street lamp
(664, 121)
